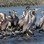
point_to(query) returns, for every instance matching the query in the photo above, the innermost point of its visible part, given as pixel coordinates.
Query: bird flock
(11, 25)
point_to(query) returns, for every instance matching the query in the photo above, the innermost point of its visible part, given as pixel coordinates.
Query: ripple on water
(13, 40)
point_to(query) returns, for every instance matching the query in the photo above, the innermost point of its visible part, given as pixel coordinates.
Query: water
(18, 40)
(20, 10)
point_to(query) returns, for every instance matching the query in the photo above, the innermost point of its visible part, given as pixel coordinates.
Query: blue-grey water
(21, 8)
(18, 40)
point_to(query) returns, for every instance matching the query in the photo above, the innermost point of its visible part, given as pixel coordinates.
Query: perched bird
(2, 16)
(12, 19)
(41, 20)
(2, 21)
(21, 21)
(27, 20)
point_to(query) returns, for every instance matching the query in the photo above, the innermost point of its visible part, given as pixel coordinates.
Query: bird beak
(36, 9)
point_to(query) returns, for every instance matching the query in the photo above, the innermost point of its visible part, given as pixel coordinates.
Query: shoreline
(22, 5)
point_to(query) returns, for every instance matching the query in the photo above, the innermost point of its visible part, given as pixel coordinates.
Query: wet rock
(1, 37)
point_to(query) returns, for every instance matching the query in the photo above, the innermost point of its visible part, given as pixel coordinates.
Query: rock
(1, 37)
